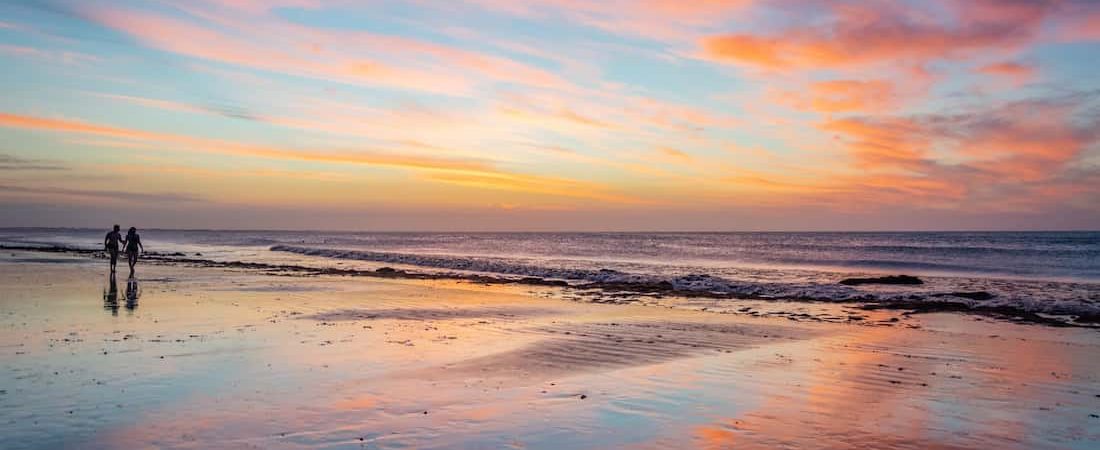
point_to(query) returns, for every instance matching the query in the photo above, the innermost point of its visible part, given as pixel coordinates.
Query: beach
(209, 357)
(531, 224)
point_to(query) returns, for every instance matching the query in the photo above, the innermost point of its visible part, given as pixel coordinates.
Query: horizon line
(567, 231)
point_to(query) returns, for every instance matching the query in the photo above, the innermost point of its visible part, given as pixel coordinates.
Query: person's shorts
(114, 253)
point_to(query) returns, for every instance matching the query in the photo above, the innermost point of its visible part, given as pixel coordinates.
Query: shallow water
(1051, 273)
(215, 359)
(1049, 256)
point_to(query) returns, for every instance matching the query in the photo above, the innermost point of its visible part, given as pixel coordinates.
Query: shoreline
(619, 292)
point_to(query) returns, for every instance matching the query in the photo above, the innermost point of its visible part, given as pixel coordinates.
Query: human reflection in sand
(133, 292)
(110, 295)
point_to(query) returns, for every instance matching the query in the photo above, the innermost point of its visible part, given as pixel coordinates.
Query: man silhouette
(110, 243)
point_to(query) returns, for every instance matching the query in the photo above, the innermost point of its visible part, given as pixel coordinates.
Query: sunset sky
(551, 115)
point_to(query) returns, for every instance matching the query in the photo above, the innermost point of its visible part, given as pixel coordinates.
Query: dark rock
(977, 295)
(1088, 318)
(541, 281)
(891, 279)
(583, 396)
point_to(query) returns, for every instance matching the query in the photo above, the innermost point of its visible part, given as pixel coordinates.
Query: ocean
(1055, 273)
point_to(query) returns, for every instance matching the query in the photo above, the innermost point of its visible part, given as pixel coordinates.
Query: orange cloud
(1026, 142)
(674, 154)
(533, 185)
(1018, 73)
(896, 143)
(837, 96)
(882, 33)
(851, 95)
(453, 171)
(1012, 155)
(239, 149)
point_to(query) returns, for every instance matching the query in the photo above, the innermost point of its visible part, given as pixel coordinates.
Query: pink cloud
(266, 43)
(880, 33)
(1084, 27)
(1004, 155)
(1016, 72)
(659, 19)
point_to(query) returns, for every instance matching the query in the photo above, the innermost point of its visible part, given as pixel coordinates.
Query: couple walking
(132, 244)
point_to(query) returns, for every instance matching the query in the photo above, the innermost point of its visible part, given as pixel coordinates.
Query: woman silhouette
(133, 246)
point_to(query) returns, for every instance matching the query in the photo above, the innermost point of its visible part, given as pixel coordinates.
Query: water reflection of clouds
(899, 390)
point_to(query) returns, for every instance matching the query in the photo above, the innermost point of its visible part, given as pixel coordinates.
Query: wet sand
(216, 358)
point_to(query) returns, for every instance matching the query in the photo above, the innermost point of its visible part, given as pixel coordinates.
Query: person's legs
(132, 259)
(114, 258)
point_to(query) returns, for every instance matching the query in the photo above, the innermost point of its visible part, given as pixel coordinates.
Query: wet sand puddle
(225, 360)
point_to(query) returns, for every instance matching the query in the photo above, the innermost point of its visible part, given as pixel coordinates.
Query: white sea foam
(1024, 296)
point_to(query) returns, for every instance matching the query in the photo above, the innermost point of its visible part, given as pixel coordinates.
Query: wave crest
(718, 287)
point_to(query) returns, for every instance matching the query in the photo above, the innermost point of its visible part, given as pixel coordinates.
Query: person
(110, 243)
(133, 247)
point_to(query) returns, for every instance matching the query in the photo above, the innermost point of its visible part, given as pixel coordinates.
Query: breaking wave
(1062, 299)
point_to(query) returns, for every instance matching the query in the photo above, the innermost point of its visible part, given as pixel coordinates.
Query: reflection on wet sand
(887, 389)
(338, 363)
(133, 292)
(110, 295)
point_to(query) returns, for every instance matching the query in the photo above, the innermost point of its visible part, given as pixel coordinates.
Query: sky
(486, 115)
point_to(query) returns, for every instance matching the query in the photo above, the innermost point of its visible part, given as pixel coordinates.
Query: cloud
(104, 194)
(1016, 72)
(881, 33)
(557, 187)
(14, 163)
(239, 149)
(1083, 27)
(674, 154)
(249, 37)
(65, 57)
(456, 171)
(881, 142)
(653, 19)
(1002, 156)
(224, 110)
(837, 96)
